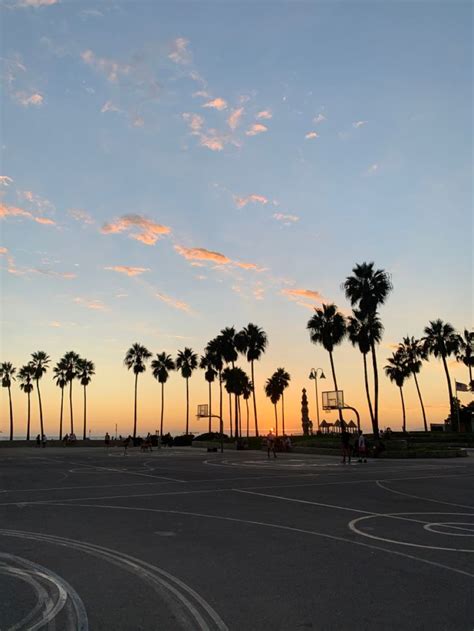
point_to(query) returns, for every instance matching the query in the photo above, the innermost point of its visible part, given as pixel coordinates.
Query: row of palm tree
(70, 367)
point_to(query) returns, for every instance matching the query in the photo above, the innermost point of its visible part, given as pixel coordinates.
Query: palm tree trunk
(276, 420)
(248, 414)
(375, 423)
(470, 376)
(210, 408)
(404, 424)
(367, 390)
(254, 399)
(135, 407)
(71, 414)
(221, 422)
(283, 411)
(11, 412)
(230, 414)
(341, 418)
(40, 407)
(421, 403)
(61, 416)
(29, 418)
(85, 415)
(187, 406)
(454, 425)
(240, 417)
(162, 406)
(236, 420)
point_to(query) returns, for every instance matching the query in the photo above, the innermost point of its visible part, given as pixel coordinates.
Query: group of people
(353, 445)
(69, 439)
(41, 440)
(277, 443)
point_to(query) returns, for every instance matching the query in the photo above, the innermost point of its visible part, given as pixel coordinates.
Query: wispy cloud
(14, 211)
(201, 254)
(293, 294)
(3, 250)
(312, 134)
(286, 219)
(358, 124)
(5, 180)
(129, 271)
(81, 215)
(53, 273)
(249, 266)
(194, 121)
(319, 118)
(217, 104)
(108, 106)
(94, 305)
(255, 129)
(25, 99)
(265, 114)
(36, 3)
(241, 202)
(213, 140)
(234, 118)
(147, 231)
(110, 67)
(176, 304)
(373, 169)
(180, 53)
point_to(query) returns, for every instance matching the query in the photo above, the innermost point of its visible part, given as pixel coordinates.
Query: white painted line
(419, 497)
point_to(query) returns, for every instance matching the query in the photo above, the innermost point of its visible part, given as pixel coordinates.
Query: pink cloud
(214, 142)
(45, 221)
(177, 304)
(111, 68)
(5, 180)
(48, 272)
(28, 99)
(286, 218)
(81, 215)
(14, 211)
(265, 114)
(95, 305)
(201, 254)
(3, 250)
(250, 266)
(37, 3)
(148, 231)
(129, 271)
(240, 202)
(303, 293)
(180, 53)
(217, 104)
(194, 121)
(312, 134)
(255, 129)
(234, 118)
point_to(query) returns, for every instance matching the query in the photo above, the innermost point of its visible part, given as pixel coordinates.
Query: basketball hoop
(202, 410)
(333, 400)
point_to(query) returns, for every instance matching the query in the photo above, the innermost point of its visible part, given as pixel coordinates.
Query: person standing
(38, 441)
(346, 446)
(362, 447)
(271, 444)
(107, 440)
(44, 440)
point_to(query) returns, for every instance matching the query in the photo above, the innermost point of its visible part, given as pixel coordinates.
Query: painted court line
(419, 497)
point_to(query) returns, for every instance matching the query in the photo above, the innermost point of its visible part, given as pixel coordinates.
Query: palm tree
(442, 341)
(246, 392)
(60, 378)
(206, 363)
(136, 358)
(466, 352)
(362, 331)
(397, 371)
(328, 327)
(213, 351)
(273, 392)
(71, 361)
(227, 339)
(253, 341)
(161, 367)
(7, 371)
(236, 381)
(85, 372)
(283, 379)
(186, 362)
(40, 362)
(414, 354)
(368, 288)
(26, 375)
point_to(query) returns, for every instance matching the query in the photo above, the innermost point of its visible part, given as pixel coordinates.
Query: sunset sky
(169, 169)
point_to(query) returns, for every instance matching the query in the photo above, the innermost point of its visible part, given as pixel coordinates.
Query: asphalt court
(185, 539)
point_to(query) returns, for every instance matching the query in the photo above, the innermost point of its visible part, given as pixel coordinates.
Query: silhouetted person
(107, 440)
(65, 439)
(38, 441)
(362, 447)
(126, 444)
(271, 444)
(44, 440)
(346, 445)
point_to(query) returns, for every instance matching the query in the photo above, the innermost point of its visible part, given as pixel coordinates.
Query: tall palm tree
(368, 289)
(7, 371)
(26, 375)
(246, 392)
(187, 362)
(236, 381)
(441, 340)
(283, 379)
(213, 351)
(71, 361)
(397, 371)
(85, 372)
(362, 331)
(161, 367)
(466, 352)
(328, 327)
(206, 363)
(60, 379)
(227, 340)
(273, 392)
(40, 362)
(135, 359)
(253, 341)
(414, 354)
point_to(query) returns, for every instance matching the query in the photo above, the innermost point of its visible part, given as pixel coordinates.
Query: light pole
(314, 375)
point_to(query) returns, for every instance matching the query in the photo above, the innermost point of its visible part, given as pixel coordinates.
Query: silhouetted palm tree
(283, 379)
(206, 363)
(7, 371)
(135, 359)
(466, 352)
(60, 379)
(253, 341)
(362, 331)
(368, 288)
(413, 352)
(273, 391)
(85, 372)
(442, 341)
(40, 362)
(161, 367)
(186, 362)
(397, 371)
(246, 392)
(328, 327)
(70, 362)
(213, 351)
(229, 354)
(236, 381)
(26, 375)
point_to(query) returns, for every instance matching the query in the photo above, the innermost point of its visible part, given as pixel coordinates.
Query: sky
(172, 168)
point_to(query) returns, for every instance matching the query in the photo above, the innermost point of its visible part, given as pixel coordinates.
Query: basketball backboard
(202, 410)
(333, 399)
